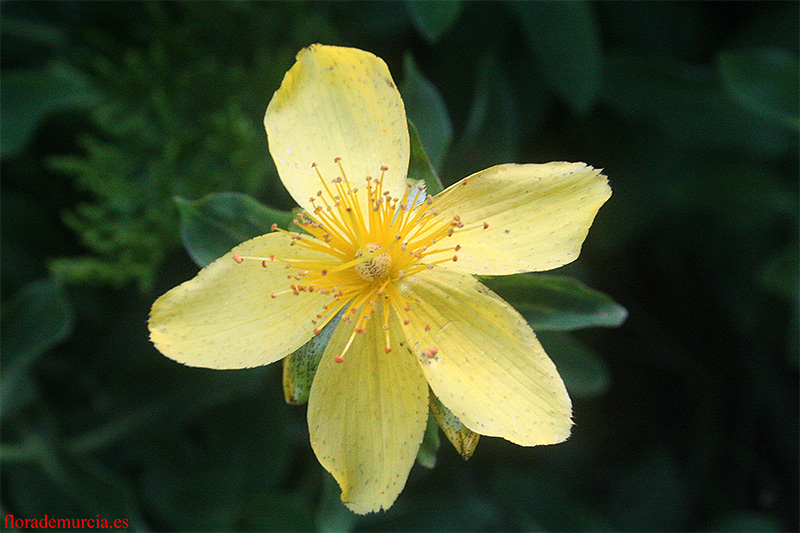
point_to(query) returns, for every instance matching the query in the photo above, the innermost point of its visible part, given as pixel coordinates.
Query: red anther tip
(339, 359)
(361, 330)
(238, 258)
(458, 247)
(264, 263)
(427, 327)
(388, 350)
(485, 225)
(455, 258)
(274, 295)
(324, 272)
(273, 227)
(384, 168)
(337, 159)
(317, 331)
(313, 165)
(431, 352)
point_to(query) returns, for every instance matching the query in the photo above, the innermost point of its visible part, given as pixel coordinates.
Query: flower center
(375, 268)
(367, 249)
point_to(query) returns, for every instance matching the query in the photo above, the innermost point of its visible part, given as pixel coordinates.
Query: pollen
(376, 268)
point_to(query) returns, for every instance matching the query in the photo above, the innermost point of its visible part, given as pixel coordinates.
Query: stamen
(364, 240)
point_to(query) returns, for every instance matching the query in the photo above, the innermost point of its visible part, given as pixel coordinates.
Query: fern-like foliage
(180, 115)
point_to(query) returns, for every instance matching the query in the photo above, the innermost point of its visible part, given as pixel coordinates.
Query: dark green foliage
(685, 416)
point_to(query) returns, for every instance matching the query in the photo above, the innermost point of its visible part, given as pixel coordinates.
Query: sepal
(463, 439)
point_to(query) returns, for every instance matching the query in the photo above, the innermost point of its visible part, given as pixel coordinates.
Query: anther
(273, 227)
(238, 258)
(339, 359)
(431, 352)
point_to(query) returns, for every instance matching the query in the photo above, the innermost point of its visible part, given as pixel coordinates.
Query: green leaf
(426, 456)
(29, 96)
(686, 103)
(426, 109)
(492, 132)
(766, 81)
(557, 302)
(565, 40)
(652, 495)
(419, 167)
(276, 511)
(239, 452)
(33, 33)
(432, 18)
(213, 225)
(35, 320)
(583, 371)
(542, 504)
(780, 273)
(64, 485)
(750, 521)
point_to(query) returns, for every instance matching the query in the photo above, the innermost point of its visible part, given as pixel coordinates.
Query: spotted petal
(226, 317)
(536, 216)
(337, 103)
(487, 366)
(367, 416)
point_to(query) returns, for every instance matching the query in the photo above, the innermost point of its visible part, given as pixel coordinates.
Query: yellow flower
(398, 266)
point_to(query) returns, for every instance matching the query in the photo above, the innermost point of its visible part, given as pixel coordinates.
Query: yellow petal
(367, 416)
(487, 366)
(225, 317)
(337, 102)
(537, 216)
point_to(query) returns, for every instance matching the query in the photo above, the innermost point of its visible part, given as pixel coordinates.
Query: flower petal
(367, 416)
(337, 102)
(536, 216)
(484, 362)
(225, 317)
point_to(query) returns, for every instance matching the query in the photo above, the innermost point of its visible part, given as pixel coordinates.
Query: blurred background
(686, 415)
